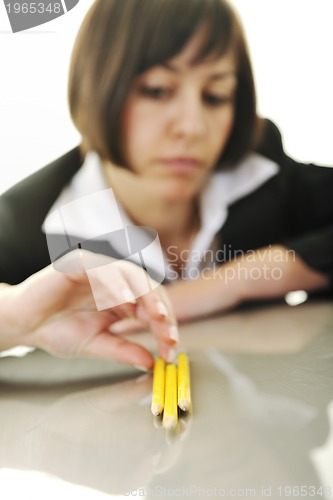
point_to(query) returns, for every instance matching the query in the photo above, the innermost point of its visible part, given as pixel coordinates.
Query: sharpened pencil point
(156, 409)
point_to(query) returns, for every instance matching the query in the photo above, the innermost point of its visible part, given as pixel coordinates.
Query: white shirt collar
(89, 219)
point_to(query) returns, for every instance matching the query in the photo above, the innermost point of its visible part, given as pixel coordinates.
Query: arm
(297, 211)
(303, 193)
(57, 312)
(267, 273)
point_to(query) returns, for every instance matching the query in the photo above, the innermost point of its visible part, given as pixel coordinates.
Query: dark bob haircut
(120, 39)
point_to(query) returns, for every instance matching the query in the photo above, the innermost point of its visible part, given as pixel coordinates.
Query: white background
(290, 42)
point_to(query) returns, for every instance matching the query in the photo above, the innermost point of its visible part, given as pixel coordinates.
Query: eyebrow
(221, 75)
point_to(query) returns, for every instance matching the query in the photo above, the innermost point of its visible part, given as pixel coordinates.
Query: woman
(162, 92)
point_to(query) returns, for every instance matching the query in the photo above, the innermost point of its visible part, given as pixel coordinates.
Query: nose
(189, 118)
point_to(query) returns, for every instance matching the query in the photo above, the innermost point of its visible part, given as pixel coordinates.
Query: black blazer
(294, 208)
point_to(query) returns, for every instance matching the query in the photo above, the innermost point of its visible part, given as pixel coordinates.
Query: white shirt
(87, 208)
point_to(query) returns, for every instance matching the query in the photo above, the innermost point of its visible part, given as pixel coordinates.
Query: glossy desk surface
(262, 383)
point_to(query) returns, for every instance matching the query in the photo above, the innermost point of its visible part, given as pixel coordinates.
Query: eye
(216, 100)
(157, 93)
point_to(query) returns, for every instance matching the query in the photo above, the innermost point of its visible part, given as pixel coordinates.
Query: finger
(123, 311)
(128, 325)
(110, 289)
(147, 291)
(165, 344)
(164, 329)
(152, 297)
(158, 313)
(155, 307)
(165, 333)
(166, 351)
(154, 310)
(106, 345)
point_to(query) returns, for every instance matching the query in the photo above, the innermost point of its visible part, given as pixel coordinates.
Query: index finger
(155, 309)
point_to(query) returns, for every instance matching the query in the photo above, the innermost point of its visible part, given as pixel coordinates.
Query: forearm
(266, 273)
(271, 272)
(9, 336)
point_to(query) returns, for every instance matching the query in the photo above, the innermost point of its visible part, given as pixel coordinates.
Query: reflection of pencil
(170, 417)
(184, 387)
(157, 403)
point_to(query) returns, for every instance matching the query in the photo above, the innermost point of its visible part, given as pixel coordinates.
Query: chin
(178, 193)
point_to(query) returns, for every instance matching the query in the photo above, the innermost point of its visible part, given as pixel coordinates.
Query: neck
(147, 207)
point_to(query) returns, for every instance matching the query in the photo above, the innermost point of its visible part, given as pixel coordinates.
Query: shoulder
(270, 141)
(270, 146)
(23, 248)
(37, 192)
(303, 188)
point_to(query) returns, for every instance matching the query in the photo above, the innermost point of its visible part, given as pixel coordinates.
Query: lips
(182, 163)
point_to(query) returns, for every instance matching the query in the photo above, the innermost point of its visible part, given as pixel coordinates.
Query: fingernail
(174, 333)
(162, 309)
(142, 368)
(171, 355)
(129, 296)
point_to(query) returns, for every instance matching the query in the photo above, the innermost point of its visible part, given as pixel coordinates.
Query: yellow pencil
(184, 386)
(170, 416)
(157, 403)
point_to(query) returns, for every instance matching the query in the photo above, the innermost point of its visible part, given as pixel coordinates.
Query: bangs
(172, 23)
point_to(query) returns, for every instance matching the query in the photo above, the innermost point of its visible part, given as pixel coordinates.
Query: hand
(57, 312)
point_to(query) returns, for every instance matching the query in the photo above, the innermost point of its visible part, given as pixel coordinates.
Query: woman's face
(178, 119)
